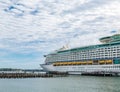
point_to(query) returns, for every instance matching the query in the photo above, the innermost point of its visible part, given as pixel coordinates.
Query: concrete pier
(102, 73)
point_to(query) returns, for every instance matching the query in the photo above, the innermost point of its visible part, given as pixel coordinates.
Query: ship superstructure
(104, 57)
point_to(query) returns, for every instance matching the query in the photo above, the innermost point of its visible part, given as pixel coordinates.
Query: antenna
(67, 44)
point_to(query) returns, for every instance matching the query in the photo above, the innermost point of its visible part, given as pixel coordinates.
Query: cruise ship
(100, 58)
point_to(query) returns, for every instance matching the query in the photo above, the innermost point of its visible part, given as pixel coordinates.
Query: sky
(30, 29)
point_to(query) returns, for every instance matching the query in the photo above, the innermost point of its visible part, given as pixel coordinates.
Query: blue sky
(31, 28)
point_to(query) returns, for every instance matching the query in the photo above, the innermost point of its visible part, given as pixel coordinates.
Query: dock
(101, 73)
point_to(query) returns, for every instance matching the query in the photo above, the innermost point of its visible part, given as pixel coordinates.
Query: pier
(101, 73)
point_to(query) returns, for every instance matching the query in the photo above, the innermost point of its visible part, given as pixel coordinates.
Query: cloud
(41, 26)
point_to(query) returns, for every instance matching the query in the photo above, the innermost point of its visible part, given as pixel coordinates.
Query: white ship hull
(79, 69)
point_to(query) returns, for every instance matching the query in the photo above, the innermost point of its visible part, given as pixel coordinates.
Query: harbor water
(62, 84)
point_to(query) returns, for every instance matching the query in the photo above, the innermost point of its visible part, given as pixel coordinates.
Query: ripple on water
(62, 84)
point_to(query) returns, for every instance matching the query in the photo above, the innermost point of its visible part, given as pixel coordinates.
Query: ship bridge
(110, 39)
